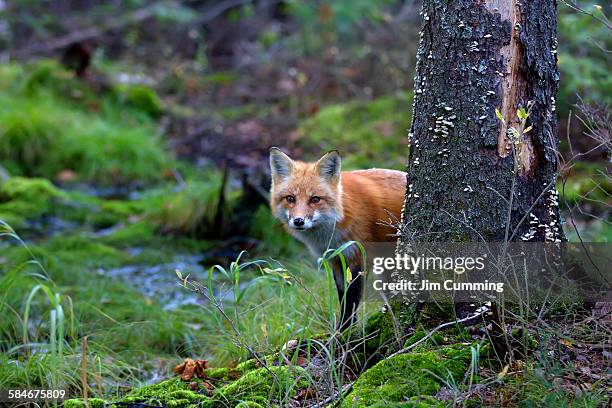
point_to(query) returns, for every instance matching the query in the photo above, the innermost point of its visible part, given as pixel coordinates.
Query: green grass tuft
(53, 122)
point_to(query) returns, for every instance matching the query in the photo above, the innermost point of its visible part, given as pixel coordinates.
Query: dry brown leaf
(306, 393)
(188, 368)
(301, 361)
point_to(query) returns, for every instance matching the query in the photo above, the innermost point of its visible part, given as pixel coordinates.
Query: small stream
(160, 282)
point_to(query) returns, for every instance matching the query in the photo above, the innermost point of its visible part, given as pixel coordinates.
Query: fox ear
(329, 166)
(281, 165)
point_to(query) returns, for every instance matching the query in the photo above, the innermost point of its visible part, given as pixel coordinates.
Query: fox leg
(349, 298)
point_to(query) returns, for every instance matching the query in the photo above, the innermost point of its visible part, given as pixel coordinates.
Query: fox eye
(315, 199)
(290, 199)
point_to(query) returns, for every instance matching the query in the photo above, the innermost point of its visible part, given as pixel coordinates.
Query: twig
(84, 370)
(603, 20)
(219, 306)
(333, 397)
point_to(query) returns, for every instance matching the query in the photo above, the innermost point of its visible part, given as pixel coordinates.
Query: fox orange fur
(324, 208)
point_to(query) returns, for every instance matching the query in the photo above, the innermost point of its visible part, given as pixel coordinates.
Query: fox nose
(298, 222)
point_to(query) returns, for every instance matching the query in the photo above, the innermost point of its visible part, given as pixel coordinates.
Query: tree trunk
(467, 181)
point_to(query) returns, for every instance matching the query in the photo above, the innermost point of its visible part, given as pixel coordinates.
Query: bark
(475, 57)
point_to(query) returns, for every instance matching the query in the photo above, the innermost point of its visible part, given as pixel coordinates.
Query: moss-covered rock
(79, 403)
(172, 393)
(277, 383)
(383, 330)
(26, 198)
(256, 388)
(400, 378)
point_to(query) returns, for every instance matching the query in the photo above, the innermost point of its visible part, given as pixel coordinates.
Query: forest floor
(123, 195)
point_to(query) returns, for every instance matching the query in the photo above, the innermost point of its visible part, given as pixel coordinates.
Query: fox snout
(302, 221)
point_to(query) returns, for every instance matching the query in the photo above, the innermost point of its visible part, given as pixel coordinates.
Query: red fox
(324, 208)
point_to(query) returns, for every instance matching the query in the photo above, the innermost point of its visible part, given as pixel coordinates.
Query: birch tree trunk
(469, 181)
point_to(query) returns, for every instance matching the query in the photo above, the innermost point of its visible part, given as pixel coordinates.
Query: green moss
(423, 401)
(33, 191)
(223, 373)
(366, 133)
(408, 375)
(248, 365)
(255, 388)
(380, 330)
(249, 404)
(435, 340)
(260, 385)
(79, 403)
(143, 98)
(171, 393)
(73, 403)
(26, 198)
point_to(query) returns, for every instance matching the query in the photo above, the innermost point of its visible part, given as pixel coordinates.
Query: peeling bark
(474, 57)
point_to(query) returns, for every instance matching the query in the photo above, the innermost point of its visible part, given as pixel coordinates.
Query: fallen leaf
(188, 368)
(306, 393)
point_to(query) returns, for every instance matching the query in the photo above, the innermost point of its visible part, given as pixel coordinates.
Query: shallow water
(160, 282)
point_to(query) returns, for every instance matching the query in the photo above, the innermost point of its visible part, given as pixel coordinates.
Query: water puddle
(160, 282)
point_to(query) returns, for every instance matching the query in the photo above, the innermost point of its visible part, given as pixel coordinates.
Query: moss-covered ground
(94, 224)
(97, 216)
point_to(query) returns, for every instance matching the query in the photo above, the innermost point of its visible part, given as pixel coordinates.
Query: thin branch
(479, 312)
(134, 17)
(603, 20)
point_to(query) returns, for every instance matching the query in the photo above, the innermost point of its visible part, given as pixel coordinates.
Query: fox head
(306, 195)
